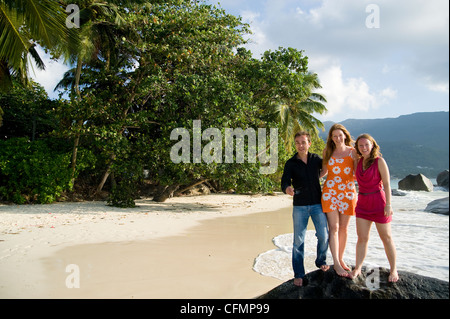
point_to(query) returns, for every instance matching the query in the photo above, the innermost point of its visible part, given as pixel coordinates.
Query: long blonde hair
(330, 147)
(374, 153)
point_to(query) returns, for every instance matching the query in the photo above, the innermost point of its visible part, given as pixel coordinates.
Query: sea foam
(421, 239)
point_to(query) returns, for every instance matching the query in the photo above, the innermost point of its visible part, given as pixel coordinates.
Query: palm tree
(100, 21)
(23, 25)
(297, 116)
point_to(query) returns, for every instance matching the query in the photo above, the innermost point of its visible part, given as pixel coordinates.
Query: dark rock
(417, 182)
(442, 179)
(438, 206)
(371, 284)
(396, 192)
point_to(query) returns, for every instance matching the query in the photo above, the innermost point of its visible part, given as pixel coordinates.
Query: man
(301, 180)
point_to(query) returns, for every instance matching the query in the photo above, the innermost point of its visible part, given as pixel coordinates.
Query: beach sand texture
(186, 247)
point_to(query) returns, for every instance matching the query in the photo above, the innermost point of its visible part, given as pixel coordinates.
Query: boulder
(371, 284)
(438, 206)
(417, 182)
(396, 192)
(442, 179)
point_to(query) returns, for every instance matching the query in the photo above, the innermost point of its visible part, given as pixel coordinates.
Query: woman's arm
(355, 158)
(386, 179)
(324, 170)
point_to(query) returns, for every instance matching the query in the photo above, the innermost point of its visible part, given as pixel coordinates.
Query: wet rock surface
(371, 284)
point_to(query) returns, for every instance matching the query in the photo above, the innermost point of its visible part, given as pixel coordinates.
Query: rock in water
(372, 284)
(396, 192)
(442, 179)
(417, 182)
(438, 206)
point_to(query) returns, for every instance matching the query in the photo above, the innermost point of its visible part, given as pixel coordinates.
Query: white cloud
(53, 73)
(439, 87)
(348, 94)
(360, 68)
(259, 42)
(351, 93)
(299, 11)
(388, 93)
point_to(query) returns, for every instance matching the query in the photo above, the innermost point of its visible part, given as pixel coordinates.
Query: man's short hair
(303, 133)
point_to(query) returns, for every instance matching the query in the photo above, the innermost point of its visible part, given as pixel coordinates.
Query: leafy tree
(170, 63)
(96, 40)
(36, 171)
(28, 112)
(124, 97)
(297, 115)
(23, 25)
(1, 117)
(182, 63)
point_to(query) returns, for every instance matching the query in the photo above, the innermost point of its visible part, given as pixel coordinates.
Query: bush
(128, 175)
(32, 171)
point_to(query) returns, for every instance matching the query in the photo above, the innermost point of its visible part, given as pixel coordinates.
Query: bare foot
(393, 276)
(298, 282)
(324, 267)
(340, 271)
(344, 266)
(355, 273)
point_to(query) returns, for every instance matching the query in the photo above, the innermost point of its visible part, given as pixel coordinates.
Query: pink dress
(371, 197)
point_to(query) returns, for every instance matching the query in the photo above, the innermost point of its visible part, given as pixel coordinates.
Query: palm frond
(67, 81)
(45, 20)
(37, 59)
(318, 97)
(5, 77)
(13, 44)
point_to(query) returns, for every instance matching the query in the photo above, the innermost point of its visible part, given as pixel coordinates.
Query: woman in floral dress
(339, 192)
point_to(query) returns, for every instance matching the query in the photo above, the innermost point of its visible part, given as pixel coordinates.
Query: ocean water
(421, 239)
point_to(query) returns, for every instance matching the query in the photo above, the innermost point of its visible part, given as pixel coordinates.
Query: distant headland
(417, 143)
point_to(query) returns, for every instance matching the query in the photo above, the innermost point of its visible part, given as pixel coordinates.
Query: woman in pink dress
(374, 203)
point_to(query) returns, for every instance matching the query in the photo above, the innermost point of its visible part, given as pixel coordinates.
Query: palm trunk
(106, 175)
(113, 156)
(76, 142)
(104, 179)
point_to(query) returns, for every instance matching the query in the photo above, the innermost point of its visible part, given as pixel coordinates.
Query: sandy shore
(187, 247)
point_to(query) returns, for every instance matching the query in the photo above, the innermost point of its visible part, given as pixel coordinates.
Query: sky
(374, 58)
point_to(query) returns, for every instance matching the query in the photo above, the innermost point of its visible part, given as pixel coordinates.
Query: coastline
(187, 247)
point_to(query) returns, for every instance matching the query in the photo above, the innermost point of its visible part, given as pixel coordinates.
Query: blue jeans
(300, 217)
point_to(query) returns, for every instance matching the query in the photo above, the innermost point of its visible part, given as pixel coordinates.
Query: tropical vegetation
(140, 70)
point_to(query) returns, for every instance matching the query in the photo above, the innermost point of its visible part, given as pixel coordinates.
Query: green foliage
(1, 116)
(34, 171)
(129, 172)
(23, 24)
(29, 171)
(163, 65)
(28, 112)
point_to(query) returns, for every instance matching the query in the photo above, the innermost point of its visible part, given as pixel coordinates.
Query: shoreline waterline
(211, 260)
(197, 247)
(421, 239)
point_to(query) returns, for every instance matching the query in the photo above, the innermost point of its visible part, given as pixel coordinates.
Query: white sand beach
(186, 247)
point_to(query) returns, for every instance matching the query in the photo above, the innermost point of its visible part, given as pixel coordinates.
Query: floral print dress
(339, 191)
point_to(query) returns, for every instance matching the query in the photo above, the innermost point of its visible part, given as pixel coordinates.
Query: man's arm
(286, 180)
